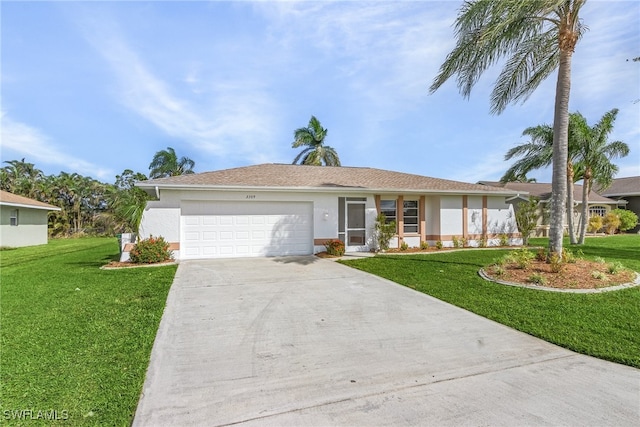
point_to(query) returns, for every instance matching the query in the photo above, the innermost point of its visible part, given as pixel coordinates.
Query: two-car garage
(229, 229)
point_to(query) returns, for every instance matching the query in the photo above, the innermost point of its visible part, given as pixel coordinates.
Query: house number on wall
(251, 196)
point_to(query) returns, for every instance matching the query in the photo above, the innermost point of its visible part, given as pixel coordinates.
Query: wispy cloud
(226, 126)
(22, 140)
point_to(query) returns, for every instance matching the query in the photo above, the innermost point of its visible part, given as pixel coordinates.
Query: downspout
(157, 193)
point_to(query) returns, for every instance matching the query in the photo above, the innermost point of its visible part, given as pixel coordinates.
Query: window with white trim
(597, 210)
(410, 211)
(13, 217)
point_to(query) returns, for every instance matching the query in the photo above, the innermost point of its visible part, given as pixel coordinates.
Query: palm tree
(538, 153)
(22, 178)
(165, 163)
(536, 38)
(315, 152)
(595, 155)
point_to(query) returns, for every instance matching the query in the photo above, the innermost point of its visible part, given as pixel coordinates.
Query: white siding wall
(30, 231)
(474, 217)
(451, 217)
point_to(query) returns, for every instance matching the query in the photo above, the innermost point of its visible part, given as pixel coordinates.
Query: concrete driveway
(304, 341)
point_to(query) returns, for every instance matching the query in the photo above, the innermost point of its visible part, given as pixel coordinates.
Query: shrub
(568, 256)
(542, 254)
(482, 241)
(504, 240)
(464, 242)
(628, 219)
(599, 260)
(335, 247)
(595, 224)
(457, 242)
(615, 267)
(538, 279)
(555, 261)
(611, 223)
(404, 246)
(424, 245)
(439, 244)
(523, 258)
(148, 251)
(527, 218)
(384, 231)
(499, 270)
(599, 275)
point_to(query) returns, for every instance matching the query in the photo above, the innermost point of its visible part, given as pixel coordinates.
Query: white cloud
(226, 125)
(28, 142)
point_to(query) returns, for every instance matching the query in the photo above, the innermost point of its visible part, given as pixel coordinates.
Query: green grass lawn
(605, 325)
(76, 339)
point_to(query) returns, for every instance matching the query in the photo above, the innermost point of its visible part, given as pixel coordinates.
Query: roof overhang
(154, 190)
(24, 205)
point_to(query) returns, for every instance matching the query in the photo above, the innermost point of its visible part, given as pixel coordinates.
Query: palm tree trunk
(560, 152)
(586, 187)
(570, 218)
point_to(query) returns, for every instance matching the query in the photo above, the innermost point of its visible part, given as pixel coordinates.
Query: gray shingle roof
(287, 176)
(11, 199)
(629, 186)
(543, 191)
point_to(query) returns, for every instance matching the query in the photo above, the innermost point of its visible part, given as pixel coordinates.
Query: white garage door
(245, 229)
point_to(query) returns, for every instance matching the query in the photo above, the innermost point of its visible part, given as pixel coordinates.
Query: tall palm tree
(315, 152)
(595, 154)
(165, 163)
(536, 38)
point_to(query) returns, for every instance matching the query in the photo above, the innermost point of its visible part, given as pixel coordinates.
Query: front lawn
(605, 325)
(75, 339)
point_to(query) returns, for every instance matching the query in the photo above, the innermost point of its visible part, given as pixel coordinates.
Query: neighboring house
(279, 209)
(23, 221)
(627, 189)
(598, 205)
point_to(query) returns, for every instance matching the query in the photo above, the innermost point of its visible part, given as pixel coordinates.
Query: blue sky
(99, 87)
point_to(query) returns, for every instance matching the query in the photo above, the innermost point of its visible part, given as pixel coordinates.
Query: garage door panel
(232, 229)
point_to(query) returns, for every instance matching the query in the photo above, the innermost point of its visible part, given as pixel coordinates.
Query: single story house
(628, 190)
(23, 221)
(598, 204)
(283, 209)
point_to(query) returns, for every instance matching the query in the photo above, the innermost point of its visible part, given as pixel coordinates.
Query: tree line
(88, 206)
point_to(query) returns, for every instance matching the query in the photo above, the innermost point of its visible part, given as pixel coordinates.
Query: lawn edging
(633, 284)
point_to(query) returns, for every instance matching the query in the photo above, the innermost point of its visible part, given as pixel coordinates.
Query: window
(597, 210)
(388, 208)
(410, 210)
(13, 217)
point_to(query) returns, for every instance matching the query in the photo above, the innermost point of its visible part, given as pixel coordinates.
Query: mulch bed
(578, 275)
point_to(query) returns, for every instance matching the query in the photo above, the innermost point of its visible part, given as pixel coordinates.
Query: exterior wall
(441, 216)
(162, 217)
(30, 231)
(450, 219)
(432, 213)
(475, 228)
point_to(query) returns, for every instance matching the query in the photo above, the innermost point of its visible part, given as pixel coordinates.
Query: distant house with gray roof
(627, 189)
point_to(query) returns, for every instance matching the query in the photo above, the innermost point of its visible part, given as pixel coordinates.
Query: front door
(355, 227)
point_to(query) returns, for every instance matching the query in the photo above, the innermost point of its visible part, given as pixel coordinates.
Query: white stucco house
(282, 209)
(23, 221)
